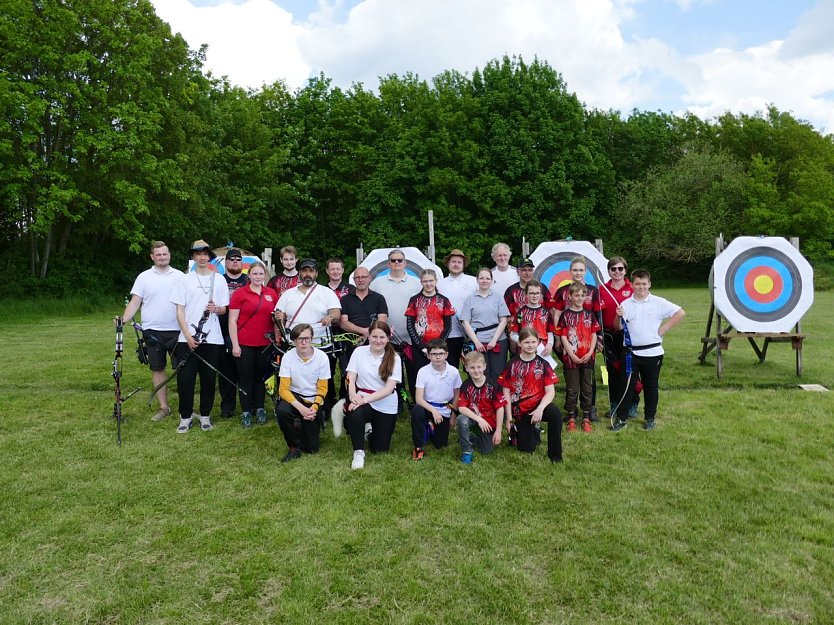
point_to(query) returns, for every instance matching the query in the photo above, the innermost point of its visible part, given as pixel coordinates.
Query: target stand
(761, 287)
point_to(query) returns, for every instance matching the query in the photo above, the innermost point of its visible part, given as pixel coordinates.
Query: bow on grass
(117, 379)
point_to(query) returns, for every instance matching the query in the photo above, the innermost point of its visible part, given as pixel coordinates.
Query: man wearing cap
(152, 292)
(235, 278)
(308, 302)
(199, 297)
(456, 286)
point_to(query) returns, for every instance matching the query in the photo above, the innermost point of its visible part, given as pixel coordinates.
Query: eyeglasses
(304, 339)
(617, 269)
(396, 260)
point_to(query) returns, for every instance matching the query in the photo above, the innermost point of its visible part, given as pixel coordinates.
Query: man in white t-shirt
(457, 286)
(152, 293)
(504, 275)
(309, 302)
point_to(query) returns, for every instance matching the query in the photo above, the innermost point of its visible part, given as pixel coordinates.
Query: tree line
(112, 135)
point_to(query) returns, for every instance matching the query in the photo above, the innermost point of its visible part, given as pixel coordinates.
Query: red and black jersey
(428, 314)
(485, 400)
(343, 289)
(579, 326)
(282, 282)
(537, 318)
(515, 297)
(561, 301)
(611, 298)
(527, 381)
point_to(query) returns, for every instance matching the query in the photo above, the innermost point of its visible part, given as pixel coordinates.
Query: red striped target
(553, 260)
(762, 284)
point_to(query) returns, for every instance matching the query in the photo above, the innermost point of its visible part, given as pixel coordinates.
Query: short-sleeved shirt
(579, 326)
(502, 280)
(561, 300)
(457, 289)
(516, 298)
(611, 299)
(155, 288)
(536, 318)
(527, 381)
(397, 294)
(484, 312)
(644, 319)
(193, 291)
(282, 282)
(315, 307)
(365, 366)
(439, 386)
(363, 311)
(305, 374)
(429, 313)
(255, 317)
(234, 284)
(487, 398)
(343, 289)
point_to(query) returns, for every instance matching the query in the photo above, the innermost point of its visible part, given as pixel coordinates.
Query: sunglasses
(396, 260)
(617, 269)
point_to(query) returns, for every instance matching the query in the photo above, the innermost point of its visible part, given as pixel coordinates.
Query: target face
(762, 284)
(218, 264)
(415, 261)
(553, 260)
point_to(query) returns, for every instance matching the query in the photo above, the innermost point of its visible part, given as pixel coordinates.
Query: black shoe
(293, 454)
(225, 415)
(593, 416)
(618, 425)
(649, 424)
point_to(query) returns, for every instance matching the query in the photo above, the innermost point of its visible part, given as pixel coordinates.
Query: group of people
(410, 336)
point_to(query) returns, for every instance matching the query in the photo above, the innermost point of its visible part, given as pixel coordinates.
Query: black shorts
(160, 343)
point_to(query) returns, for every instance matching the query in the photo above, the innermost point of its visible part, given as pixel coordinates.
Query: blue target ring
(766, 263)
(411, 268)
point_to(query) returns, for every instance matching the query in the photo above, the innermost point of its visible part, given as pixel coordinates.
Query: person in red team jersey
(288, 278)
(529, 389)
(536, 316)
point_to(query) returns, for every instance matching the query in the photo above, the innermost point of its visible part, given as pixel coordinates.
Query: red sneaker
(586, 425)
(571, 425)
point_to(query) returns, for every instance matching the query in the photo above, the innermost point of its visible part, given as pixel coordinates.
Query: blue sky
(703, 56)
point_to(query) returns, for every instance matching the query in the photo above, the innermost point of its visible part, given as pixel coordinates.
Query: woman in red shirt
(250, 318)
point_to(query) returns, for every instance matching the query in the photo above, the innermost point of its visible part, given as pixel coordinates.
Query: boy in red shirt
(534, 315)
(480, 410)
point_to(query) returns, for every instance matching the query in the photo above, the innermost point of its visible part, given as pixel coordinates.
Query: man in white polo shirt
(152, 292)
(457, 286)
(309, 302)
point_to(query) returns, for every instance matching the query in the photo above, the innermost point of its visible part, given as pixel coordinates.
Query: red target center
(560, 279)
(763, 285)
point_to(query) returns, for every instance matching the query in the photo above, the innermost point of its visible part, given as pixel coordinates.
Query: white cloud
(255, 41)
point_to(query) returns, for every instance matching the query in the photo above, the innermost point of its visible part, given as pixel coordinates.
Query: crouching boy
(480, 410)
(435, 396)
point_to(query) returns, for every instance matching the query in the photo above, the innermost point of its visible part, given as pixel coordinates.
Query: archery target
(762, 284)
(219, 264)
(415, 261)
(553, 260)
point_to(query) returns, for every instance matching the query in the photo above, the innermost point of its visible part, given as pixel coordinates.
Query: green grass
(723, 514)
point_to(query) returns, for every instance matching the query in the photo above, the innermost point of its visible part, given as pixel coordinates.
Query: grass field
(723, 514)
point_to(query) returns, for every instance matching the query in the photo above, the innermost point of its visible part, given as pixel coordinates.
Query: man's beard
(308, 281)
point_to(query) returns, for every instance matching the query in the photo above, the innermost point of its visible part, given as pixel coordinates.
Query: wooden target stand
(725, 333)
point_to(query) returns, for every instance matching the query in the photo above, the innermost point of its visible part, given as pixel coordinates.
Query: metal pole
(431, 236)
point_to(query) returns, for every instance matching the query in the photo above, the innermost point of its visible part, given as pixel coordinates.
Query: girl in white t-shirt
(372, 373)
(303, 377)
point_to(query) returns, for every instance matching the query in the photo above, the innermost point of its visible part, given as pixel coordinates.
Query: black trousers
(647, 370)
(187, 377)
(299, 433)
(455, 347)
(417, 361)
(228, 367)
(424, 429)
(252, 367)
(381, 422)
(526, 436)
(615, 363)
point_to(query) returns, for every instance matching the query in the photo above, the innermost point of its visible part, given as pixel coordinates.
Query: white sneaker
(358, 459)
(205, 424)
(184, 426)
(337, 418)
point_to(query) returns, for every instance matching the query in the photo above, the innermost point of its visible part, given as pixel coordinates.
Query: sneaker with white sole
(205, 424)
(184, 426)
(358, 459)
(161, 414)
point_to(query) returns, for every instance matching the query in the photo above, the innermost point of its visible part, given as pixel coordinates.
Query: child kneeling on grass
(480, 410)
(528, 383)
(435, 397)
(577, 329)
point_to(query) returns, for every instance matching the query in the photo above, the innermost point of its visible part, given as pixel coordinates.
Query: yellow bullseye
(763, 284)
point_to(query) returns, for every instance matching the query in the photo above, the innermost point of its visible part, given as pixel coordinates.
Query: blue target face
(554, 272)
(381, 269)
(763, 284)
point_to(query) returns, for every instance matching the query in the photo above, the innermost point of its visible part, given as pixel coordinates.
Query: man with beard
(309, 302)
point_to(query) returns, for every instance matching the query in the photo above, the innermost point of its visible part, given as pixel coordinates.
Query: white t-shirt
(502, 280)
(192, 291)
(155, 288)
(457, 289)
(396, 294)
(321, 300)
(644, 319)
(365, 366)
(439, 386)
(305, 374)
